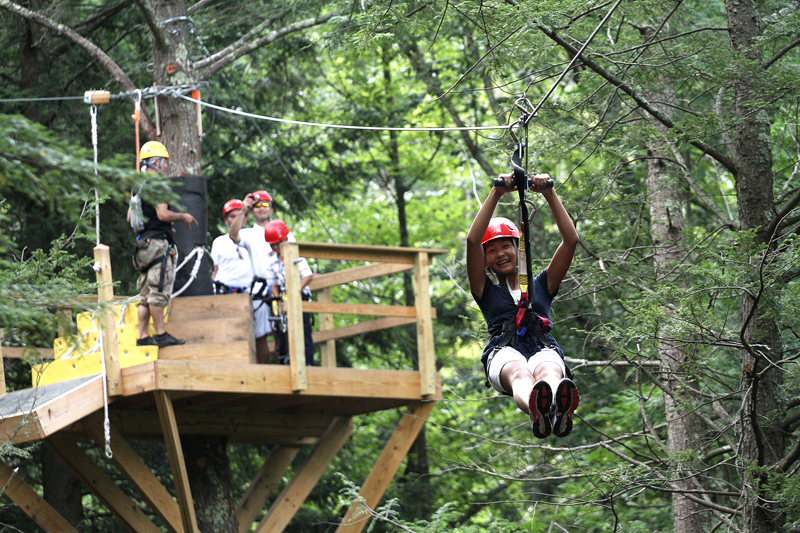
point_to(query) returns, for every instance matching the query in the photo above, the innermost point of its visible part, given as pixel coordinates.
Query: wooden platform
(211, 386)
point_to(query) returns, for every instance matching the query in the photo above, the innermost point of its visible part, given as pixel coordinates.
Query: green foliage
(428, 64)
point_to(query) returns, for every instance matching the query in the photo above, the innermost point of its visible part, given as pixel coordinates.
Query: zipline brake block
(96, 97)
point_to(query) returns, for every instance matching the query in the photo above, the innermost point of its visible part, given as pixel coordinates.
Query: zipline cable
(340, 126)
(574, 59)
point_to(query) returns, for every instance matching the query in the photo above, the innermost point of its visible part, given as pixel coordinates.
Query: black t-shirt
(497, 306)
(153, 227)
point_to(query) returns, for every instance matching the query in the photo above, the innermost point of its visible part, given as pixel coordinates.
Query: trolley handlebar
(499, 182)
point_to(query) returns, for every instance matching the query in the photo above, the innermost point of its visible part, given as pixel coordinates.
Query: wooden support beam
(368, 326)
(341, 277)
(2, 367)
(101, 485)
(292, 497)
(108, 326)
(386, 466)
(358, 252)
(31, 503)
(344, 308)
(139, 474)
(166, 414)
(265, 481)
(328, 347)
(17, 352)
(294, 316)
(188, 376)
(425, 347)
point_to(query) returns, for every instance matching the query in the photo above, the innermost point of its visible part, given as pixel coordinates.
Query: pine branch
(248, 43)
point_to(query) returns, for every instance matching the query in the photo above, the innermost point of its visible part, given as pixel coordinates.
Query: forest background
(673, 141)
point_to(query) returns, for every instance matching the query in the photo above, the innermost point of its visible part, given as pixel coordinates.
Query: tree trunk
(668, 234)
(206, 457)
(209, 472)
(172, 61)
(61, 488)
(762, 442)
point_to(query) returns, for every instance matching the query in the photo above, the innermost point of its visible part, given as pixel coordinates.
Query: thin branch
(216, 62)
(639, 99)
(701, 195)
(152, 23)
(64, 30)
(780, 53)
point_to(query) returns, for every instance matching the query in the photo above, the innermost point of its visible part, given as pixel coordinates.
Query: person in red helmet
(276, 232)
(524, 363)
(233, 272)
(259, 203)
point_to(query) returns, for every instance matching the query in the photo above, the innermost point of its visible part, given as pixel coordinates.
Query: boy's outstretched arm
(562, 258)
(476, 264)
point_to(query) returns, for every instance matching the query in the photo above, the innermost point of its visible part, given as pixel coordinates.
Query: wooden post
(2, 367)
(422, 303)
(108, 326)
(327, 348)
(290, 253)
(139, 474)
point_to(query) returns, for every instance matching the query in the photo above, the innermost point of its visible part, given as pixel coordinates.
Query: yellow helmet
(153, 149)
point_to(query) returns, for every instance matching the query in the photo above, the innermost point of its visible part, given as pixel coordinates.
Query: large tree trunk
(172, 61)
(209, 472)
(206, 457)
(762, 441)
(61, 487)
(668, 235)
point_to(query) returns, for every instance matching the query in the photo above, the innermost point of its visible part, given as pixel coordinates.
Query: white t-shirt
(232, 262)
(277, 274)
(252, 239)
(261, 255)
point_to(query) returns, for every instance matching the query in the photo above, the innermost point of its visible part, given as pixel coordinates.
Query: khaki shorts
(150, 279)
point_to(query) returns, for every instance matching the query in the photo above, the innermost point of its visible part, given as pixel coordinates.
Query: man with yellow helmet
(154, 253)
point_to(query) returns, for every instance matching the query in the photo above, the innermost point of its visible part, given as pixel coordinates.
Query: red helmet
(263, 196)
(500, 228)
(231, 205)
(276, 231)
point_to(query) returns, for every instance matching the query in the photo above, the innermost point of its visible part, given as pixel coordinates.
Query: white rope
(106, 420)
(93, 113)
(198, 251)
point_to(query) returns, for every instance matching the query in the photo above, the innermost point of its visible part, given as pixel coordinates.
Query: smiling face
(501, 256)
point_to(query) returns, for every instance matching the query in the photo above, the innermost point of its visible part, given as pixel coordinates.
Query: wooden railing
(383, 261)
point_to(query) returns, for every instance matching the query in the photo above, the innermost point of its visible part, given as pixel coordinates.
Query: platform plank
(33, 414)
(271, 379)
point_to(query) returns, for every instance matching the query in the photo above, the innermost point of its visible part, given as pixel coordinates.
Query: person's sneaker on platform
(146, 341)
(165, 339)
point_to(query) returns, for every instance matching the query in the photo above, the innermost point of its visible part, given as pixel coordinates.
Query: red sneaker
(566, 401)
(539, 405)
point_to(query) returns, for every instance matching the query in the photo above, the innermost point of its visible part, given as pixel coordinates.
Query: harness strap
(163, 270)
(221, 288)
